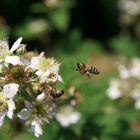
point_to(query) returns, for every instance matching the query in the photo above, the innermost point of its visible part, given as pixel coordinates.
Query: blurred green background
(97, 32)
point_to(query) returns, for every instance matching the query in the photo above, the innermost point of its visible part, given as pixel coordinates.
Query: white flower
(113, 92)
(46, 68)
(36, 114)
(36, 128)
(52, 3)
(129, 6)
(67, 116)
(135, 67)
(137, 104)
(132, 71)
(124, 72)
(40, 63)
(51, 74)
(27, 113)
(14, 60)
(4, 47)
(6, 100)
(135, 94)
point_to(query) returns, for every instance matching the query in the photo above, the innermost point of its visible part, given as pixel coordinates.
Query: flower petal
(67, 116)
(137, 104)
(36, 128)
(16, 44)
(14, 60)
(114, 92)
(75, 117)
(40, 97)
(24, 114)
(11, 108)
(60, 79)
(10, 90)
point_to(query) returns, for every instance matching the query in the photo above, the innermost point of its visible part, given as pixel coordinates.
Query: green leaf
(125, 45)
(60, 18)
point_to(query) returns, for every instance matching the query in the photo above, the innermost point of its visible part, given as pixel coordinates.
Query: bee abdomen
(57, 94)
(94, 70)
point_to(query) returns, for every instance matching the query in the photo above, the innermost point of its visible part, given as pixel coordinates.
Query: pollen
(15, 73)
(45, 63)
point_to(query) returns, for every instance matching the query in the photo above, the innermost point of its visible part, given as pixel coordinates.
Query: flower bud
(21, 50)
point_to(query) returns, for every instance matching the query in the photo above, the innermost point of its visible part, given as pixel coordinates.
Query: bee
(57, 93)
(86, 69)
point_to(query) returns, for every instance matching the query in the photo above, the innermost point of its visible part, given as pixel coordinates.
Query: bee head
(78, 64)
(61, 91)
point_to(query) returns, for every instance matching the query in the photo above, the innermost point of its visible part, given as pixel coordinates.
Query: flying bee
(86, 69)
(57, 93)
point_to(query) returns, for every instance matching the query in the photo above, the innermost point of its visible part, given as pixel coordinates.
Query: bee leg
(88, 75)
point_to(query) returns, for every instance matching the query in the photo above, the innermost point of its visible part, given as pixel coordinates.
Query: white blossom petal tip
(11, 108)
(16, 45)
(40, 97)
(36, 128)
(14, 60)
(10, 90)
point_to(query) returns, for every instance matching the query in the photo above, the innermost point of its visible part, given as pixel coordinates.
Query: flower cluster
(127, 86)
(27, 86)
(130, 10)
(66, 114)
(52, 3)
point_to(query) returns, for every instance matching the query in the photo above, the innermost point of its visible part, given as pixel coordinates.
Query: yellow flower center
(44, 64)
